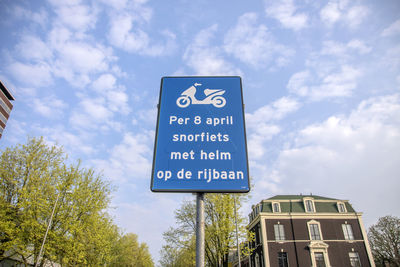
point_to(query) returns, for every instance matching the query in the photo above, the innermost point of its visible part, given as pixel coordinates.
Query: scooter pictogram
(213, 96)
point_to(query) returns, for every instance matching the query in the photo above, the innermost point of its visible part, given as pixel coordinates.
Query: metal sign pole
(200, 230)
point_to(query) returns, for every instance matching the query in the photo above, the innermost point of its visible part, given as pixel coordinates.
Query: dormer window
(276, 207)
(257, 209)
(341, 207)
(309, 205)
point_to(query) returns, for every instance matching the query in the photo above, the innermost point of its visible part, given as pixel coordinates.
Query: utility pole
(47, 230)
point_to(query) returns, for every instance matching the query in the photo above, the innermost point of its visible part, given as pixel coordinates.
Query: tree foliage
(130, 253)
(220, 232)
(384, 238)
(36, 177)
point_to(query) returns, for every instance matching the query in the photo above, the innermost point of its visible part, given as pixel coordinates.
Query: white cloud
(75, 60)
(116, 4)
(342, 11)
(83, 57)
(340, 83)
(359, 46)
(344, 50)
(123, 35)
(96, 109)
(205, 59)
(93, 114)
(298, 83)
(117, 99)
(32, 47)
(60, 55)
(49, 107)
(331, 72)
(393, 29)
(272, 112)
(104, 82)
(355, 156)
(72, 143)
(126, 34)
(129, 159)
(391, 58)
(40, 17)
(36, 75)
(261, 124)
(75, 15)
(286, 13)
(356, 15)
(331, 12)
(258, 137)
(146, 117)
(254, 44)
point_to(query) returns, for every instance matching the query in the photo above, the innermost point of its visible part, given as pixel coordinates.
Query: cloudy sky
(321, 83)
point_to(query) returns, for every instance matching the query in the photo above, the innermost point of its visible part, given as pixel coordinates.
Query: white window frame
(323, 255)
(278, 205)
(279, 232)
(348, 235)
(355, 255)
(309, 223)
(317, 246)
(4, 106)
(257, 260)
(3, 118)
(257, 209)
(305, 201)
(339, 204)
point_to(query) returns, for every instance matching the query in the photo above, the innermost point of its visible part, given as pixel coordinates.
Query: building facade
(5, 106)
(308, 230)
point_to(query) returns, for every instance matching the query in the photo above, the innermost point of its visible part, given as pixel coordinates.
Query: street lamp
(48, 226)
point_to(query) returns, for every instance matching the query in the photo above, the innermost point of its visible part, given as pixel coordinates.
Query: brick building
(5, 106)
(308, 230)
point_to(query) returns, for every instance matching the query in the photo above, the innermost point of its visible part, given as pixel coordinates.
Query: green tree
(384, 238)
(130, 253)
(220, 230)
(32, 177)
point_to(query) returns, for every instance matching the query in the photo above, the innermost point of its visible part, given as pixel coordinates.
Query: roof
(294, 203)
(6, 91)
(298, 197)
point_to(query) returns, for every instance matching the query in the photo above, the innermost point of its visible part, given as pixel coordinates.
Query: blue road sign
(200, 141)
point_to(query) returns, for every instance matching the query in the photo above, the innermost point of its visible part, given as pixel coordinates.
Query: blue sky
(321, 87)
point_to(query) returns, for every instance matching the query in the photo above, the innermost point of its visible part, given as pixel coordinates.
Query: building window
(348, 232)
(309, 205)
(282, 259)
(314, 231)
(4, 106)
(276, 207)
(341, 207)
(354, 259)
(3, 118)
(279, 232)
(319, 259)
